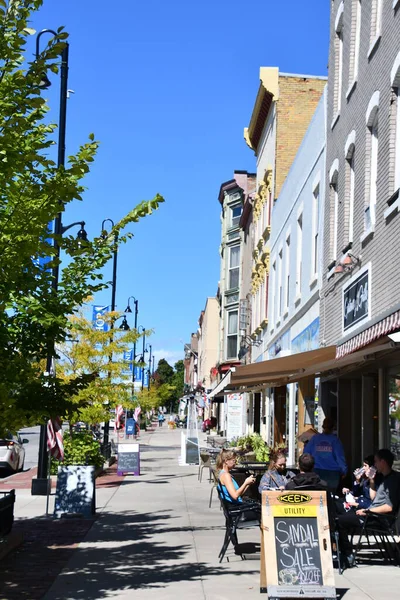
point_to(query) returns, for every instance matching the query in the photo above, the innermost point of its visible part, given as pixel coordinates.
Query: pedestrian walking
(161, 418)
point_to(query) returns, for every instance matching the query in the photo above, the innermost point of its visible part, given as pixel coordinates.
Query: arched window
(355, 34)
(338, 65)
(333, 210)
(371, 154)
(395, 121)
(349, 151)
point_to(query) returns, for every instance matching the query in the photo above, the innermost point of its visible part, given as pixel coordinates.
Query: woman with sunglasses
(231, 491)
(277, 475)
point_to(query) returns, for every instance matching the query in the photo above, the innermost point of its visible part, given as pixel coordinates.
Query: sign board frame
(128, 449)
(302, 545)
(75, 491)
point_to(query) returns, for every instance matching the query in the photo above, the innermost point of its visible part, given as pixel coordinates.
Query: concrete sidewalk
(156, 537)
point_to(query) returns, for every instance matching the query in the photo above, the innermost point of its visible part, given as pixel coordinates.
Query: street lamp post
(113, 295)
(40, 484)
(129, 310)
(143, 351)
(153, 365)
(151, 348)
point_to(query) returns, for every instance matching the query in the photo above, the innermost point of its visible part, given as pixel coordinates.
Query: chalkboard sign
(128, 459)
(296, 557)
(75, 492)
(192, 450)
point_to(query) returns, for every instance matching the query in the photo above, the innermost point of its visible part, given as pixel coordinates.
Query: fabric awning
(289, 369)
(219, 388)
(278, 371)
(391, 323)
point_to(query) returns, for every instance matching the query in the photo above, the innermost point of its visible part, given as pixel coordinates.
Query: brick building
(360, 300)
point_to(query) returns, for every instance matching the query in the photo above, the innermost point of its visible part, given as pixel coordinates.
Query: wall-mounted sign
(356, 299)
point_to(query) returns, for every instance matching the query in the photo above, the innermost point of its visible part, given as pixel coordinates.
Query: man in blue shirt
(328, 453)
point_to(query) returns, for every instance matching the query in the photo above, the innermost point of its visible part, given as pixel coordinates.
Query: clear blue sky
(167, 87)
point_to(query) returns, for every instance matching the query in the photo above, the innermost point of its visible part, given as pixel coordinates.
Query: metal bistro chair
(206, 462)
(384, 529)
(235, 514)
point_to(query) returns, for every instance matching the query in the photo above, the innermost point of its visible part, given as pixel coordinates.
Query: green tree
(88, 352)
(164, 372)
(178, 382)
(32, 192)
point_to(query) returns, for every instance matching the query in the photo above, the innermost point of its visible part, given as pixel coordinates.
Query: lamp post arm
(64, 229)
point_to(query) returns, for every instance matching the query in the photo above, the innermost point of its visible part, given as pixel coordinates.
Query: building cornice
(268, 92)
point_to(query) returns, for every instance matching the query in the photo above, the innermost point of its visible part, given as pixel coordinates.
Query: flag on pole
(119, 411)
(55, 438)
(137, 412)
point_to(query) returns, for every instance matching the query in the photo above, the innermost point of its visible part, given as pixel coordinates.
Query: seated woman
(359, 496)
(231, 491)
(277, 475)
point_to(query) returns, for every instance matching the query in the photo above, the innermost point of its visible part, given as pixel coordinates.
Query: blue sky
(167, 88)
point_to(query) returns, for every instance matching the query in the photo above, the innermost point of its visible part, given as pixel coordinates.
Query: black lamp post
(40, 484)
(153, 365)
(129, 310)
(142, 329)
(104, 234)
(151, 348)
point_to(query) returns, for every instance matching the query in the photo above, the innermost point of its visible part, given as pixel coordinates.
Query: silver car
(12, 453)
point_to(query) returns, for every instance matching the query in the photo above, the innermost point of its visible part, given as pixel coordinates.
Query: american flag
(137, 412)
(119, 411)
(55, 438)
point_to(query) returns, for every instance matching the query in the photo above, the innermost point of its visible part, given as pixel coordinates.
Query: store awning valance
(278, 371)
(387, 325)
(289, 369)
(219, 388)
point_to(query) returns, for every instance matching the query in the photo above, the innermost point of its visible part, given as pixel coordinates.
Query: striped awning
(387, 325)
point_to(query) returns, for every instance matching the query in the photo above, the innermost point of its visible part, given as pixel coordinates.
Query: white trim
(395, 72)
(334, 169)
(331, 272)
(374, 43)
(335, 119)
(395, 3)
(393, 208)
(372, 109)
(317, 182)
(313, 280)
(300, 210)
(351, 141)
(368, 233)
(351, 88)
(297, 299)
(339, 18)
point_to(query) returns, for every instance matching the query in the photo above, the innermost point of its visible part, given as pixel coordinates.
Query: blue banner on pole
(146, 378)
(128, 359)
(138, 374)
(98, 321)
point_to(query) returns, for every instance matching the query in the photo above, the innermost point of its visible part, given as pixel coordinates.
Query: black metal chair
(237, 515)
(384, 529)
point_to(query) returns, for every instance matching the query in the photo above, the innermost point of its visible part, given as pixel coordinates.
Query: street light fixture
(40, 483)
(141, 329)
(125, 325)
(104, 235)
(149, 371)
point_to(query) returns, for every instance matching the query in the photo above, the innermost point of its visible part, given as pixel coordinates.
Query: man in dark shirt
(306, 477)
(385, 500)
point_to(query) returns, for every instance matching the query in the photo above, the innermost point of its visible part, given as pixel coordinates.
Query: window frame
(232, 335)
(231, 269)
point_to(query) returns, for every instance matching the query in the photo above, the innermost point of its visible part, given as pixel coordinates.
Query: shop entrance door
(280, 414)
(369, 415)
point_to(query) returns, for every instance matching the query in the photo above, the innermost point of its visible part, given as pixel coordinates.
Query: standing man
(328, 453)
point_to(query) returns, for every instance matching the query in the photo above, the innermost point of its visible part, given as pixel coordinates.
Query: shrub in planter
(253, 444)
(79, 449)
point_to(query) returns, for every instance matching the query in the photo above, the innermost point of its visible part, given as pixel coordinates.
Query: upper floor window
(315, 232)
(349, 190)
(333, 210)
(234, 260)
(280, 284)
(354, 41)
(232, 335)
(376, 23)
(395, 121)
(299, 251)
(338, 65)
(236, 212)
(287, 273)
(371, 162)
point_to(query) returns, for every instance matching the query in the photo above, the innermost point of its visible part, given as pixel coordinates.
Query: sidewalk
(154, 537)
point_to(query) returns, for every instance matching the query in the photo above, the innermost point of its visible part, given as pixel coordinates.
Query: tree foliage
(89, 353)
(33, 190)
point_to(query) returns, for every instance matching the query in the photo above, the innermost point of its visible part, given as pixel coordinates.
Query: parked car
(12, 453)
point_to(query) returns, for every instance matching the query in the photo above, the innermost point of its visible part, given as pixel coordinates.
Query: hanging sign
(356, 300)
(296, 556)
